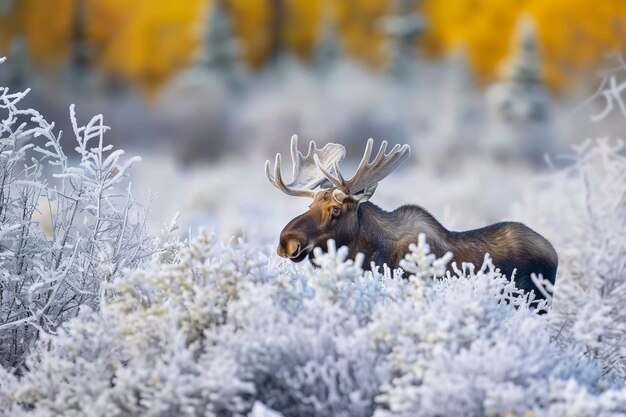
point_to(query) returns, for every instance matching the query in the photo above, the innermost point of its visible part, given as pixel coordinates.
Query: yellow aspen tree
(159, 39)
(251, 23)
(301, 25)
(574, 36)
(46, 25)
(483, 27)
(359, 26)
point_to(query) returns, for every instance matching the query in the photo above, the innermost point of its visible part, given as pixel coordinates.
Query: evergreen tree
(220, 50)
(16, 69)
(80, 75)
(402, 28)
(460, 123)
(518, 105)
(6, 7)
(328, 49)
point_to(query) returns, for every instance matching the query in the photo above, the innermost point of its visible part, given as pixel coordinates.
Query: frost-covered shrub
(60, 240)
(207, 335)
(217, 329)
(463, 350)
(228, 330)
(581, 209)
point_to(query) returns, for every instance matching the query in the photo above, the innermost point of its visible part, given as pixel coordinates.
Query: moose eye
(335, 211)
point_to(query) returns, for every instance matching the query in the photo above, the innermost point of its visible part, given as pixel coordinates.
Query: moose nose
(290, 246)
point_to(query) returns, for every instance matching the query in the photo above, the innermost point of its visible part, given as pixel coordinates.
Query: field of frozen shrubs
(100, 317)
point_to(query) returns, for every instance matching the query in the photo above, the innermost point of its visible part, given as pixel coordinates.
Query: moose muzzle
(293, 245)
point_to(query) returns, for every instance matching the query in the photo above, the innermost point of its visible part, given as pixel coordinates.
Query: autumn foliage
(574, 36)
(149, 40)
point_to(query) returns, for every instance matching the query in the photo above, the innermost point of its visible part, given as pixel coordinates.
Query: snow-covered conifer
(519, 106)
(220, 51)
(328, 50)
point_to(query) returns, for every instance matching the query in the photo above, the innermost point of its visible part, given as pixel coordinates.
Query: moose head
(333, 214)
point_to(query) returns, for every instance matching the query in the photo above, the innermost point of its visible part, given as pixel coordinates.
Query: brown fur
(384, 237)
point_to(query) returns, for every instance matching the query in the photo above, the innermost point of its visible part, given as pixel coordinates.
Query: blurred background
(206, 90)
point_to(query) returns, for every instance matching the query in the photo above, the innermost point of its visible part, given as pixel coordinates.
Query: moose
(341, 211)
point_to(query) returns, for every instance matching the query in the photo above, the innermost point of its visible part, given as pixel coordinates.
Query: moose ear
(365, 195)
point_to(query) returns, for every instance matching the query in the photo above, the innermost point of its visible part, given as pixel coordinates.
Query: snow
(100, 317)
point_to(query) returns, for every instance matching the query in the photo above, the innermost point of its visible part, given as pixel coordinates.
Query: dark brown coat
(384, 238)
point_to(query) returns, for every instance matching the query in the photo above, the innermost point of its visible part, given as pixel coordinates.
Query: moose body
(340, 211)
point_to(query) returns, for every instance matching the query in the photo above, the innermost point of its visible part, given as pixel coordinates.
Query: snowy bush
(60, 240)
(96, 326)
(228, 330)
(582, 211)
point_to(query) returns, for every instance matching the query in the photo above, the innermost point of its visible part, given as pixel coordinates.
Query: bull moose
(341, 211)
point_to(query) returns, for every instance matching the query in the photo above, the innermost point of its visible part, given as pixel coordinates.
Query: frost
(227, 329)
(421, 263)
(590, 291)
(63, 240)
(98, 318)
(259, 410)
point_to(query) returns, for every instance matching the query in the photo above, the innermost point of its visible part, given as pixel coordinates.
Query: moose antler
(306, 173)
(367, 174)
